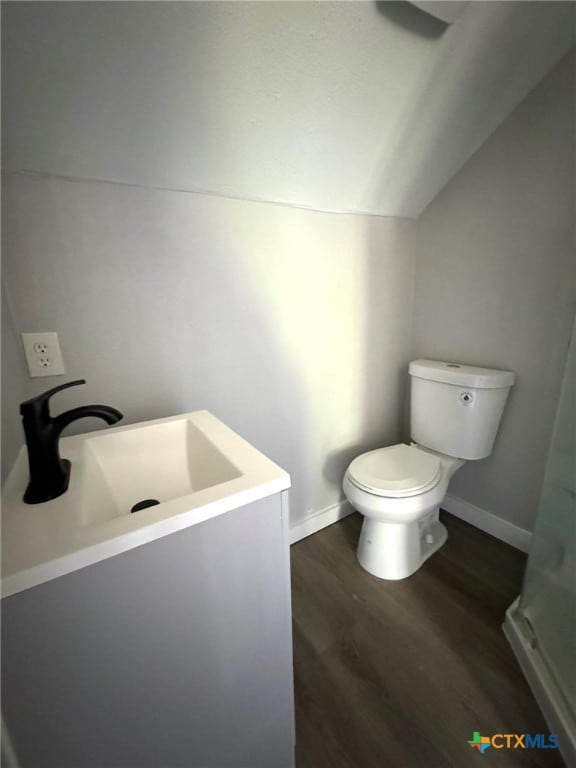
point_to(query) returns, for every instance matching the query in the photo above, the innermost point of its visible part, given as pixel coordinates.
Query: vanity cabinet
(174, 654)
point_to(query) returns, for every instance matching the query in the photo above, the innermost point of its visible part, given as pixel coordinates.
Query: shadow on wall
(411, 18)
(14, 390)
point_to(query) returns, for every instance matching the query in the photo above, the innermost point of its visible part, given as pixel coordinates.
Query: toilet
(455, 412)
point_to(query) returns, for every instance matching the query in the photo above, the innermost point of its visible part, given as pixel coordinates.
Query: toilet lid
(400, 470)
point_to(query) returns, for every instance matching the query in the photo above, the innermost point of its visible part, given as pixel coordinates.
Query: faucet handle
(41, 400)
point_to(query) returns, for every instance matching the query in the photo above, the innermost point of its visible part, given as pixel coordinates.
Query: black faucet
(49, 474)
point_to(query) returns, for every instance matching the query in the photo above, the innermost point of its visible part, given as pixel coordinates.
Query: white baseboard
(320, 520)
(488, 522)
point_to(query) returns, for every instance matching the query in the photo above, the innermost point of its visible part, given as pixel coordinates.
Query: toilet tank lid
(461, 375)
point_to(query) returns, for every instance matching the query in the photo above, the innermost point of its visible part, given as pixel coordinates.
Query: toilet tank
(456, 409)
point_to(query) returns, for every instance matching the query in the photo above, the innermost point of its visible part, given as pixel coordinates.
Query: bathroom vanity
(157, 639)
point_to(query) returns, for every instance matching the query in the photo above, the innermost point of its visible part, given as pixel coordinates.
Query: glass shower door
(547, 608)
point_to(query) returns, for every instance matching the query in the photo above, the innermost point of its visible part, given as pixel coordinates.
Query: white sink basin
(192, 465)
(157, 461)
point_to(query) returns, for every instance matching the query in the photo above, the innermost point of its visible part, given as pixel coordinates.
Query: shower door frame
(523, 637)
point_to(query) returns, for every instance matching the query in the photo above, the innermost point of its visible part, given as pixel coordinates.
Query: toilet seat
(395, 472)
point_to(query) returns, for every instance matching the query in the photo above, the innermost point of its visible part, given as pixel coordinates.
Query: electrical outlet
(43, 354)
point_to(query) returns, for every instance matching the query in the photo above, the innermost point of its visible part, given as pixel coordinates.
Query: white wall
(292, 326)
(14, 389)
(496, 285)
(346, 106)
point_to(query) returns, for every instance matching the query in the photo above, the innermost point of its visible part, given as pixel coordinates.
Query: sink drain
(144, 504)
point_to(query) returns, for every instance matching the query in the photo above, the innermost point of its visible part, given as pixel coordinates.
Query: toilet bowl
(455, 411)
(399, 489)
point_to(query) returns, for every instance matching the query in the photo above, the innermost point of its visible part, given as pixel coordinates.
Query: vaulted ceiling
(341, 106)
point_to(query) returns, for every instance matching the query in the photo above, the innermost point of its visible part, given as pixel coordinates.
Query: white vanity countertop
(41, 542)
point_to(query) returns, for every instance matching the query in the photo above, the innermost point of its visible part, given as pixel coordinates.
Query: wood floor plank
(401, 673)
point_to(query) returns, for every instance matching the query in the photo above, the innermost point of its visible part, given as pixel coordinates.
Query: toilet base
(396, 550)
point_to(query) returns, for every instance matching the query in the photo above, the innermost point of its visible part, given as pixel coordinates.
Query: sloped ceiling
(359, 106)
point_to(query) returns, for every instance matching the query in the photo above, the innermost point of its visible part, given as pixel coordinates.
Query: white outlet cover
(43, 354)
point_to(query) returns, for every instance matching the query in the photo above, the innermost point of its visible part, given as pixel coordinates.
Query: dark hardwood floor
(399, 674)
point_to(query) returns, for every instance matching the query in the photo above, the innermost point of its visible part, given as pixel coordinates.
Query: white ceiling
(344, 106)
